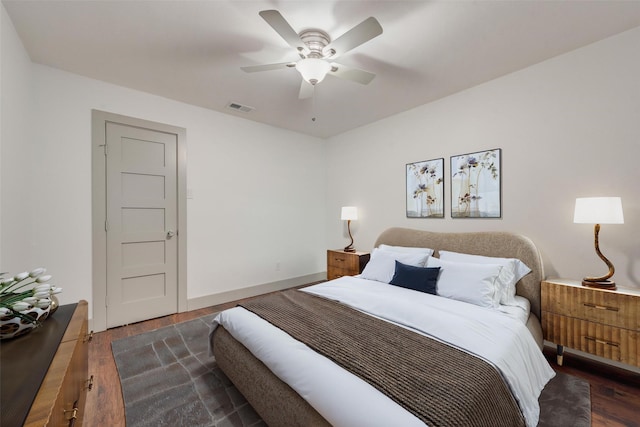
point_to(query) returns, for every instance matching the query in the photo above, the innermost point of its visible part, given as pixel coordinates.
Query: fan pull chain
(313, 104)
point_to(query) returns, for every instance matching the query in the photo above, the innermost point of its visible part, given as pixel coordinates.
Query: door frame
(99, 119)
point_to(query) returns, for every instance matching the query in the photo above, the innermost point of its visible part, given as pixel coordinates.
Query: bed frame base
(276, 402)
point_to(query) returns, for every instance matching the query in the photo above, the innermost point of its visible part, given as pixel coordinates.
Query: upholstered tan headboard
(497, 244)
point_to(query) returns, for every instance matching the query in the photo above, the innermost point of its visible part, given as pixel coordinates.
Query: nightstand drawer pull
(601, 341)
(600, 307)
(339, 259)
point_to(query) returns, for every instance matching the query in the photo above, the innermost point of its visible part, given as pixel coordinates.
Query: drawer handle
(88, 337)
(600, 307)
(601, 341)
(73, 411)
(338, 259)
(90, 383)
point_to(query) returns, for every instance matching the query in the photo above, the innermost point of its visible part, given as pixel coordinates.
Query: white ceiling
(192, 51)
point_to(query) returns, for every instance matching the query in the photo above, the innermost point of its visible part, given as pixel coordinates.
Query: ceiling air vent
(239, 107)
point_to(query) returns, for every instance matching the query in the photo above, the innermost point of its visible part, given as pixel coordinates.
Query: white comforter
(344, 399)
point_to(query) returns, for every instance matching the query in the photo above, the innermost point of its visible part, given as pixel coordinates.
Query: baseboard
(236, 294)
(251, 291)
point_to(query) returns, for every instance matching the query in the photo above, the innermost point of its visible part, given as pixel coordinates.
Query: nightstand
(341, 263)
(600, 322)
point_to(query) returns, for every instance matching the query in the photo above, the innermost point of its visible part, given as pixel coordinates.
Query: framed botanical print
(476, 185)
(425, 189)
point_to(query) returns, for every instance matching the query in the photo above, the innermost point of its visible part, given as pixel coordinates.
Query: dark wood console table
(44, 374)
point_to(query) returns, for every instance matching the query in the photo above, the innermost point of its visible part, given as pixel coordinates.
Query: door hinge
(106, 225)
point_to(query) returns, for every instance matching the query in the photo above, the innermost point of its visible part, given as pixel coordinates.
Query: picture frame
(425, 189)
(476, 184)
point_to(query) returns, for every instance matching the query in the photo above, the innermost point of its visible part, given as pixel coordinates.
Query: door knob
(170, 234)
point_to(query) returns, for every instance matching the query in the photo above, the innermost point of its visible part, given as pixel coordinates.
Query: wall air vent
(239, 107)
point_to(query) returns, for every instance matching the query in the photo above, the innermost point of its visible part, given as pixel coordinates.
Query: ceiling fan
(317, 51)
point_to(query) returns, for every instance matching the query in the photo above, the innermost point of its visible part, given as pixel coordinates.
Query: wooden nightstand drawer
(606, 307)
(341, 263)
(342, 260)
(597, 321)
(607, 341)
(339, 272)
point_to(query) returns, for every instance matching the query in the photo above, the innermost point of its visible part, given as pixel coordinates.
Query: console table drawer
(62, 394)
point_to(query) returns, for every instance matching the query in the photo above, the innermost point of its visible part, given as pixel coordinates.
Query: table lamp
(599, 210)
(349, 213)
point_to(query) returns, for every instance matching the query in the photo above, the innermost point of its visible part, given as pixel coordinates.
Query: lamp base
(603, 284)
(349, 249)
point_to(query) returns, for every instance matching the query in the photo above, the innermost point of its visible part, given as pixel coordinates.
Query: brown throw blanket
(439, 384)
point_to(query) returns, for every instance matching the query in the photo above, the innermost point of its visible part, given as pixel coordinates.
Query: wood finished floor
(615, 393)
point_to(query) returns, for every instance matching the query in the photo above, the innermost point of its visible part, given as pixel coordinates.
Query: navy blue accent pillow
(421, 279)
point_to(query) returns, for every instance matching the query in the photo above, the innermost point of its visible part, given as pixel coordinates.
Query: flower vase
(54, 304)
(12, 326)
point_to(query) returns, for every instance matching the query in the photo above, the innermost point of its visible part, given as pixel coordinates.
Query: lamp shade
(598, 210)
(349, 213)
(313, 70)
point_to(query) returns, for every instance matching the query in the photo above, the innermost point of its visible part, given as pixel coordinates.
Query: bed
(270, 380)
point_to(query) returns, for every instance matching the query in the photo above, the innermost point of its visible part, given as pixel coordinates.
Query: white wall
(258, 191)
(16, 150)
(568, 128)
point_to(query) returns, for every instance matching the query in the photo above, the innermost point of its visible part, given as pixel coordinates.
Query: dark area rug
(565, 401)
(169, 379)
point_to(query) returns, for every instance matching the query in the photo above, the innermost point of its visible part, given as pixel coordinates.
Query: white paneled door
(141, 224)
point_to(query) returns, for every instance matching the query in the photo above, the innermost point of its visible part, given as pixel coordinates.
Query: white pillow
(382, 264)
(514, 271)
(468, 282)
(406, 249)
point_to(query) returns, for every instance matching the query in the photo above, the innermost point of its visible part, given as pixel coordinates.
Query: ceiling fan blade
(267, 67)
(361, 33)
(353, 74)
(306, 90)
(282, 27)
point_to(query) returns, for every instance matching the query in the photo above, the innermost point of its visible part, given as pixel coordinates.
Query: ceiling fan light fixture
(313, 70)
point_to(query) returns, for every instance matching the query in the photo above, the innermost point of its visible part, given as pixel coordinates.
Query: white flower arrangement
(24, 291)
